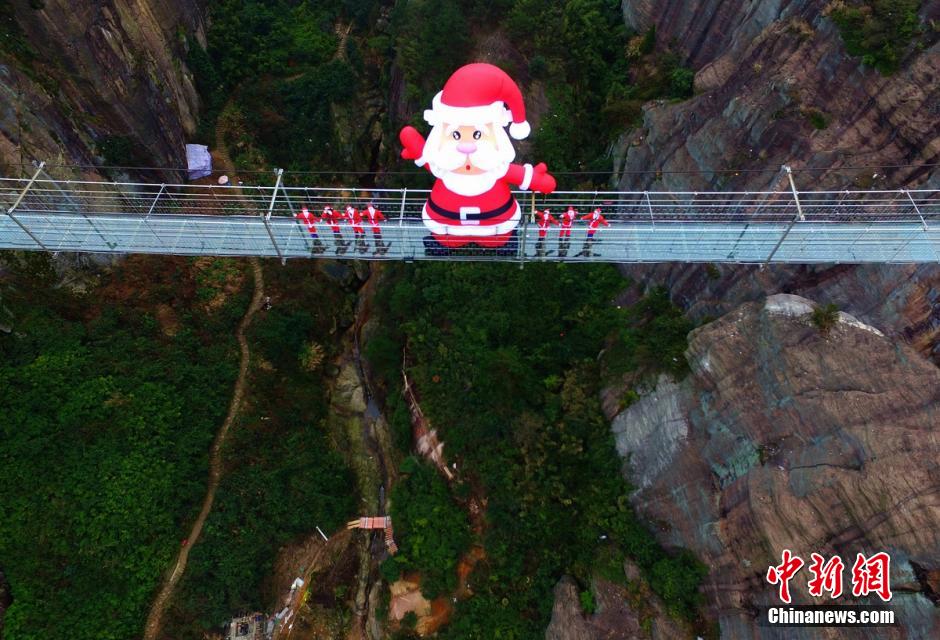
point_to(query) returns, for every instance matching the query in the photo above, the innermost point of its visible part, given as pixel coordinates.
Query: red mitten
(542, 180)
(413, 143)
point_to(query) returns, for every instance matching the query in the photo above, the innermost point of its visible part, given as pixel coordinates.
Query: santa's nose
(466, 147)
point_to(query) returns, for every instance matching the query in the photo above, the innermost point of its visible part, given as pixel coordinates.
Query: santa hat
(480, 93)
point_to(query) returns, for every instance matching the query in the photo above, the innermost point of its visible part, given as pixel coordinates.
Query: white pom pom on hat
(520, 130)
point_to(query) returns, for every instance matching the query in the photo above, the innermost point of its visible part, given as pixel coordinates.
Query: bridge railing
(192, 219)
(194, 199)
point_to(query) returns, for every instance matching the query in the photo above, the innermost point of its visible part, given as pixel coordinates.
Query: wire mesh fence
(237, 220)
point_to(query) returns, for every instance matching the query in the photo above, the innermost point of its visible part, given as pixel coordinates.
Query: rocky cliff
(775, 85)
(627, 611)
(80, 76)
(785, 436)
(901, 300)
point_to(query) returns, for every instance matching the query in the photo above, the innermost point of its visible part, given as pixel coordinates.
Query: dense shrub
(505, 362)
(825, 317)
(878, 31)
(106, 425)
(432, 530)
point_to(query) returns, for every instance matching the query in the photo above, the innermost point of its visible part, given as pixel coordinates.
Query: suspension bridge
(782, 226)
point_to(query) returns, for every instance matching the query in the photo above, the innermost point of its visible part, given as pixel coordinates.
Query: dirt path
(155, 619)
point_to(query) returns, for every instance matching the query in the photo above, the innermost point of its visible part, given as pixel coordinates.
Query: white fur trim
(495, 113)
(527, 179)
(520, 130)
(480, 231)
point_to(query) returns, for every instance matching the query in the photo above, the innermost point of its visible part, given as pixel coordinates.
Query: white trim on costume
(527, 179)
(494, 113)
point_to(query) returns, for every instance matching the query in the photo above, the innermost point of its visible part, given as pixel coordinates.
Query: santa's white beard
(468, 184)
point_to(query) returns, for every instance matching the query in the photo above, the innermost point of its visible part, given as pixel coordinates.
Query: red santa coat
(374, 217)
(355, 219)
(332, 218)
(487, 219)
(309, 219)
(595, 220)
(544, 219)
(567, 219)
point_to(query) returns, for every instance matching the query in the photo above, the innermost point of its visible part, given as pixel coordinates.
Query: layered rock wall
(84, 70)
(786, 437)
(764, 69)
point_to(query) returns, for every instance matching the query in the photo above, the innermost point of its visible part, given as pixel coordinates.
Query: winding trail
(155, 618)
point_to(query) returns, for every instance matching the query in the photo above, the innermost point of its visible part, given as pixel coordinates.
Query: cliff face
(764, 70)
(75, 72)
(900, 300)
(782, 437)
(622, 612)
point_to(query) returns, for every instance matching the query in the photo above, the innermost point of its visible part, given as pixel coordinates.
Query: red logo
(784, 572)
(870, 575)
(826, 577)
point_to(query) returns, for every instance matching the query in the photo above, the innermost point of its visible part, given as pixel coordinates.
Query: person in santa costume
(332, 218)
(311, 220)
(355, 220)
(564, 233)
(470, 154)
(594, 220)
(373, 216)
(544, 219)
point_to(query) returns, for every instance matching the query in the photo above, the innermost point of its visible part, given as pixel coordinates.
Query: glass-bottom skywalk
(773, 227)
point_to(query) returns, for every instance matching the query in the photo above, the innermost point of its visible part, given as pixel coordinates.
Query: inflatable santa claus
(470, 154)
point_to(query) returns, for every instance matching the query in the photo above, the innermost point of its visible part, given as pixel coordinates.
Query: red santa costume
(544, 220)
(470, 202)
(310, 221)
(332, 218)
(355, 219)
(595, 220)
(374, 217)
(567, 219)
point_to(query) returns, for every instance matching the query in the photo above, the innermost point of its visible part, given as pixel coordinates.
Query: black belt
(483, 215)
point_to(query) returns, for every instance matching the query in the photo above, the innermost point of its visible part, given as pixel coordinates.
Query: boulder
(787, 437)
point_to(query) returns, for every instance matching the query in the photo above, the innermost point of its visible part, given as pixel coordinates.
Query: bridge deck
(846, 227)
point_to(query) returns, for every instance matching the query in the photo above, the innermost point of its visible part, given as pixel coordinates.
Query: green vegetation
(12, 39)
(298, 80)
(588, 603)
(121, 151)
(111, 401)
(817, 119)
(277, 66)
(432, 40)
(878, 31)
(432, 529)
(825, 317)
(282, 477)
(652, 340)
(505, 362)
(109, 408)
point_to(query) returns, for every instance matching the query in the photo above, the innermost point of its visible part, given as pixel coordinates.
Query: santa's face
(468, 158)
